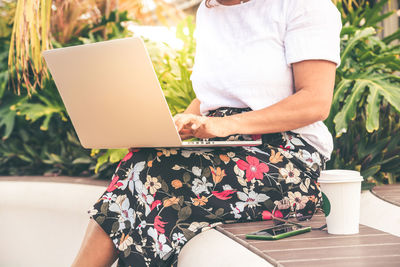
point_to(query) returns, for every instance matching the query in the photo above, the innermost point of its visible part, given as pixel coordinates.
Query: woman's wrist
(221, 126)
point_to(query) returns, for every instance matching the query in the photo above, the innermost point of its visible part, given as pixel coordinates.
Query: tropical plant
(366, 104)
(37, 134)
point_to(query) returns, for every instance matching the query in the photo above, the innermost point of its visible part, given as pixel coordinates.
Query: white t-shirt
(244, 54)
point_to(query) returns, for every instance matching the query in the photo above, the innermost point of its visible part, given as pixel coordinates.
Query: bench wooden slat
(367, 261)
(328, 253)
(389, 193)
(329, 242)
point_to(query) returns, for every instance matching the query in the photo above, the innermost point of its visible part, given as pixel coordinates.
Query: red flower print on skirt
(253, 168)
(114, 184)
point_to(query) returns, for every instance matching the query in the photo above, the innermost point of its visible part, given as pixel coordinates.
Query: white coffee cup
(341, 191)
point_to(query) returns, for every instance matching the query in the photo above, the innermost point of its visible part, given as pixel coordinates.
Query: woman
(262, 67)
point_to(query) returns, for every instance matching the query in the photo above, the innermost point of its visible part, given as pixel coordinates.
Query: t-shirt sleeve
(312, 31)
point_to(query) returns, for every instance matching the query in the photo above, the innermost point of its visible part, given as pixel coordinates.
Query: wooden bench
(370, 247)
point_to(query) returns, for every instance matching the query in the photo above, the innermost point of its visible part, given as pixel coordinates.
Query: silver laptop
(113, 97)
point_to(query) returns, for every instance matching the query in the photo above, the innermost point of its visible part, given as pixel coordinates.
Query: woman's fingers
(190, 125)
(184, 120)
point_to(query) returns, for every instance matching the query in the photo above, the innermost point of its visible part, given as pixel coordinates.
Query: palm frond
(36, 22)
(29, 38)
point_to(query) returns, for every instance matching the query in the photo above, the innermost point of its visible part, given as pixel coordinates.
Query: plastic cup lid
(340, 176)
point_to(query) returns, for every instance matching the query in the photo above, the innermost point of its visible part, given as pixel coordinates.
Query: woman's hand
(190, 125)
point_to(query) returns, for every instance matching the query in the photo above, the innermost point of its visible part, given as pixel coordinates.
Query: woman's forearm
(314, 82)
(193, 108)
(296, 111)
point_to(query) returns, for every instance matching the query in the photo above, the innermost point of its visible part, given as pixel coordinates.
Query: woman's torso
(240, 61)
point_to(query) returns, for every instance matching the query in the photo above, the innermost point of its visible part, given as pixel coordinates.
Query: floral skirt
(159, 198)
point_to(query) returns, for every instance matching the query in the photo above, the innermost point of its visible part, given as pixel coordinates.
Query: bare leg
(97, 249)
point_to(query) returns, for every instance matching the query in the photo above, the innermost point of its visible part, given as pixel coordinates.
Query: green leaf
(100, 219)
(340, 91)
(176, 207)
(184, 213)
(348, 112)
(25, 158)
(30, 150)
(370, 171)
(115, 227)
(390, 91)
(359, 35)
(7, 119)
(206, 172)
(269, 204)
(372, 122)
(127, 251)
(117, 154)
(100, 161)
(164, 186)
(186, 177)
(188, 234)
(112, 155)
(127, 224)
(104, 208)
(392, 37)
(85, 160)
(211, 216)
(219, 212)
(55, 158)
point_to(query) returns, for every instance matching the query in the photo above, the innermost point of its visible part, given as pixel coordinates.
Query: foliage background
(38, 138)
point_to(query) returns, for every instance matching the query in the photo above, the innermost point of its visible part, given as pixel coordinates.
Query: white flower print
(310, 159)
(176, 247)
(132, 179)
(292, 141)
(169, 152)
(251, 199)
(125, 242)
(122, 207)
(304, 186)
(298, 199)
(285, 152)
(196, 171)
(109, 197)
(254, 149)
(143, 196)
(135, 184)
(227, 187)
(141, 225)
(200, 186)
(179, 238)
(290, 173)
(197, 151)
(283, 204)
(238, 171)
(237, 210)
(152, 184)
(231, 154)
(159, 245)
(194, 226)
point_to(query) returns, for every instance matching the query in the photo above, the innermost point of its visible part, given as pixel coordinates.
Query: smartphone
(279, 232)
